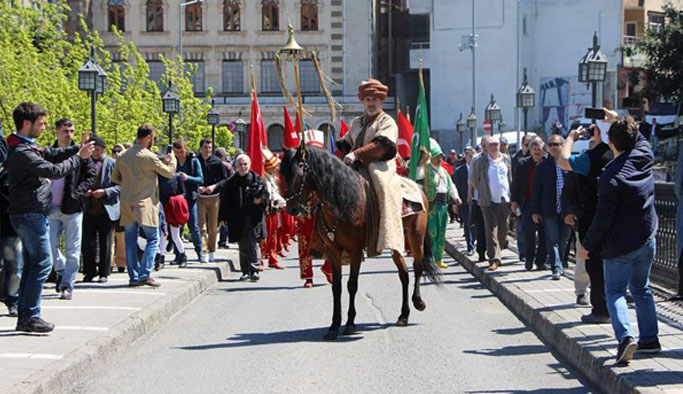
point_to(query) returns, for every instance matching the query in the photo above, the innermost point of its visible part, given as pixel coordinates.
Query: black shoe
(254, 277)
(169, 247)
(88, 278)
(244, 277)
(541, 267)
(58, 281)
(629, 298)
(529, 265)
(482, 258)
(35, 324)
(581, 299)
(121, 269)
(182, 260)
(627, 346)
(652, 347)
(12, 311)
(593, 318)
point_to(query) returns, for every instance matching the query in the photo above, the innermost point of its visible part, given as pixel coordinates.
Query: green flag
(420, 144)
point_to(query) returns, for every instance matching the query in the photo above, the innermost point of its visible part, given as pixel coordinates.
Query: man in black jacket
(207, 205)
(29, 170)
(460, 177)
(244, 198)
(523, 201)
(625, 226)
(66, 213)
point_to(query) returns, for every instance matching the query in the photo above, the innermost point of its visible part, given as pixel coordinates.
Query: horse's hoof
(350, 330)
(402, 322)
(331, 335)
(419, 304)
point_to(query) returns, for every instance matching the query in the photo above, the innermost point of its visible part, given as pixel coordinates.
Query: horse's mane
(335, 182)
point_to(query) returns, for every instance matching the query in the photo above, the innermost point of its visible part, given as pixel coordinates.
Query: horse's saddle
(412, 197)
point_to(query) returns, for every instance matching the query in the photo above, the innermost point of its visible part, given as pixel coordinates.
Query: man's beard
(372, 110)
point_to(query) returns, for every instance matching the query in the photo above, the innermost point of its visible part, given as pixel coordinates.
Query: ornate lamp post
(492, 113)
(171, 105)
(472, 125)
(593, 68)
(526, 98)
(502, 127)
(213, 118)
(241, 129)
(460, 127)
(92, 79)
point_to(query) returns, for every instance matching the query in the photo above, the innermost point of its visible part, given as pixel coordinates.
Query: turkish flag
(257, 137)
(344, 129)
(447, 167)
(291, 136)
(405, 135)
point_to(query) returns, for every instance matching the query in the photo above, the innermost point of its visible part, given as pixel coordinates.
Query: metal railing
(665, 267)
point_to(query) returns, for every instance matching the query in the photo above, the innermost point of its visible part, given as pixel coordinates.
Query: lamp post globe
(241, 129)
(502, 127)
(472, 125)
(526, 98)
(593, 68)
(92, 79)
(170, 105)
(213, 118)
(492, 112)
(460, 127)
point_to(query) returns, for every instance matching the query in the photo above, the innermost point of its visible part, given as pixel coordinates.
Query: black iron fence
(665, 267)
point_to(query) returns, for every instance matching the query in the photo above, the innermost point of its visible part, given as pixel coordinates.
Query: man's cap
(98, 141)
(453, 151)
(503, 141)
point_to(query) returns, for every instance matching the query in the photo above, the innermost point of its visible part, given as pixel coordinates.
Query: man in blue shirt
(190, 170)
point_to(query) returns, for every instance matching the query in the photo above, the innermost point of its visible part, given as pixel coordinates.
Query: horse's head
(297, 180)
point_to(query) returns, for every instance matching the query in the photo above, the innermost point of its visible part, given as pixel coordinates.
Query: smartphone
(169, 149)
(594, 113)
(85, 137)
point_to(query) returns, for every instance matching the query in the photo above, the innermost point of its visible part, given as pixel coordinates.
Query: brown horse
(316, 182)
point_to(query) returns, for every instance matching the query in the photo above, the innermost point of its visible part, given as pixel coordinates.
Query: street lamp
(212, 118)
(526, 98)
(502, 127)
(460, 127)
(593, 68)
(92, 79)
(241, 129)
(171, 105)
(472, 125)
(492, 112)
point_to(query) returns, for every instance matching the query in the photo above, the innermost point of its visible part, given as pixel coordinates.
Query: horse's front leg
(333, 331)
(352, 285)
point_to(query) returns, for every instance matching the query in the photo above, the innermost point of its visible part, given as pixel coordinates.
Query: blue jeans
(534, 235)
(556, 236)
(66, 264)
(32, 229)
(468, 228)
(11, 268)
(633, 270)
(138, 272)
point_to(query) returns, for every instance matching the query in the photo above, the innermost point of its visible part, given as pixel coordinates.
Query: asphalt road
(266, 337)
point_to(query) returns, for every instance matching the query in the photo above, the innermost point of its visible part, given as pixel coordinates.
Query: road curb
(531, 313)
(70, 371)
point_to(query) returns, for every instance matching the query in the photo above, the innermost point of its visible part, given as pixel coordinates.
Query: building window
(193, 17)
(155, 15)
(276, 137)
(156, 71)
(270, 15)
(231, 15)
(197, 78)
(309, 14)
(233, 77)
(116, 15)
(655, 21)
(269, 80)
(310, 83)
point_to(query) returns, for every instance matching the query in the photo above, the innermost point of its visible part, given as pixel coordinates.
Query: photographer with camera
(244, 198)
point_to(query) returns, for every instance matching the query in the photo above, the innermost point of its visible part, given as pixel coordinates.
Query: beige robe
(385, 181)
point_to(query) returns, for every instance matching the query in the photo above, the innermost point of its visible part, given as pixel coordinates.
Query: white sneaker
(203, 259)
(212, 257)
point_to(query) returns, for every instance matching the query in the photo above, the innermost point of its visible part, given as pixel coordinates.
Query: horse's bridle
(308, 207)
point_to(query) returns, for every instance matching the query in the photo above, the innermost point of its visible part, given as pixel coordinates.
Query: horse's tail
(431, 269)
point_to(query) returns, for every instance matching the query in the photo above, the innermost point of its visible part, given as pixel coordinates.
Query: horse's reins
(310, 208)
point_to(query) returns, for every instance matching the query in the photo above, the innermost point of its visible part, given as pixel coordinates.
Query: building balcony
(631, 40)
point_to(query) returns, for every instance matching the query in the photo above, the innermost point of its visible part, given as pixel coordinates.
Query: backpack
(176, 211)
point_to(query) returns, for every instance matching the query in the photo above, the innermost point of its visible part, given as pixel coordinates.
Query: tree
(665, 56)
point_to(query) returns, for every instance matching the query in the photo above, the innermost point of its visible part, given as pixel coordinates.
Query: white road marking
(546, 290)
(37, 356)
(124, 292)
(70, 328)
(116, 308)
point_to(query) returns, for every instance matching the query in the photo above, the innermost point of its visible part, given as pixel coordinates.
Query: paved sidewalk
(100, 321)
(549, 308)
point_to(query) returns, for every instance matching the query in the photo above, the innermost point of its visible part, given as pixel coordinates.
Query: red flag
(447, 167)
(291, 137)
(344, 129)
(257, 137)
(405, 135)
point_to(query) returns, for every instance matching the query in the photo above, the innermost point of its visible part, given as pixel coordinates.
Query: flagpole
(424, 110)
(253, 84)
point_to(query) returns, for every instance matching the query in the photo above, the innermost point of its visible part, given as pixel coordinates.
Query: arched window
(231, 15)
(155, 15)
(270, 15)
(193, 17)
(309, 14)
(116, 15)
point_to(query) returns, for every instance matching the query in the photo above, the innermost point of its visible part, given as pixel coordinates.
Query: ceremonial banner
(257, 134)
(344, 129)
(292, 139)
(420, 141)
(405, 135)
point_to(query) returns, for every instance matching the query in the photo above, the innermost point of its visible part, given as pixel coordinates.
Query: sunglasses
(116, 151)
(554, 144)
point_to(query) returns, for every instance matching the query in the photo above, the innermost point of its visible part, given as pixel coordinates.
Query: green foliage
(664, 52)
(39, 64)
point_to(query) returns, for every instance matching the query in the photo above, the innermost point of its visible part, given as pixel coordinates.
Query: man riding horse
(370, 145)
